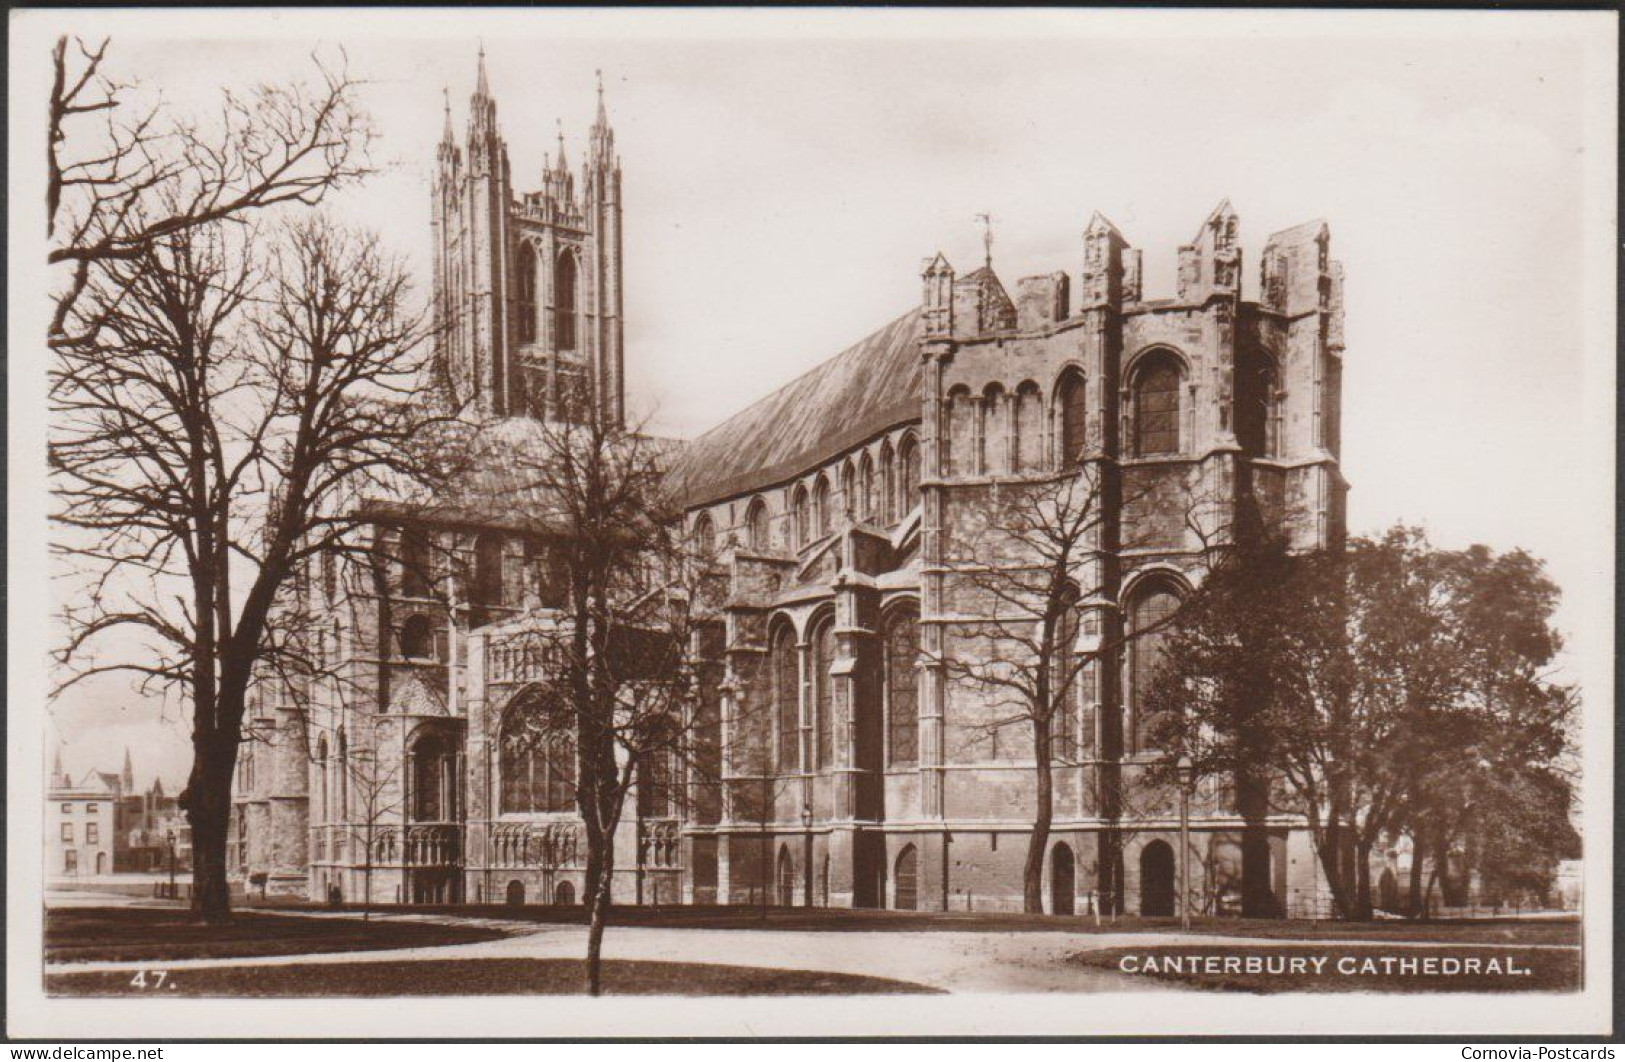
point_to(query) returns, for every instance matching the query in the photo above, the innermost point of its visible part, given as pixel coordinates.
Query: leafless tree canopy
(232, 395)
(124, 172)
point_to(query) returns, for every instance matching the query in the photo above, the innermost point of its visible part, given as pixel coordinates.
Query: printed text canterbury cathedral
(882, 781)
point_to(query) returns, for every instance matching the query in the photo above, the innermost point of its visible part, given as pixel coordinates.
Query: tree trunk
(1032, 873)
(1257, 882)
(1415, 907)
(1362, 881)
(597, 917)
(1333, 851)
(208, 811)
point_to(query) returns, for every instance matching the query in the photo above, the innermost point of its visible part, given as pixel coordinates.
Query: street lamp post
(807, 851)
(1184, 842)
(172, 893)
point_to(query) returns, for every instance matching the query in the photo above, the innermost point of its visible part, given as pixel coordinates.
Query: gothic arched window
(866, 489)
(416, 563)
(909, 496)
(435, 778)
(322, 809)
(1156, 406)
(487, 591)
(801, 518)
(1071, 413)
(417, 638)
(787, 700)
(888, 484)
(525, 297)
(341, 779)
(823, 656)
(902, 642)
(1027, 426)
(538, 765)
(962, 442)
(993, 441)
(1063, 682)
(705, 536)
(756, 524)
(823, 519)
(1258, 413)
(564, 302)
(1149, 611)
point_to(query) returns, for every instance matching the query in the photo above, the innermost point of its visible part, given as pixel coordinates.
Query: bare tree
(238, 396)
(621, 682)
(376, 792)
(1023, 577)
(124, 173)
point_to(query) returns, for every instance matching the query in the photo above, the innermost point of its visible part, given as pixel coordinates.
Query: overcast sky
(785, 175)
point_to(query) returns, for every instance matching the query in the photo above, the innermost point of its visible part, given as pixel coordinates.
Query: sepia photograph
(672, 513)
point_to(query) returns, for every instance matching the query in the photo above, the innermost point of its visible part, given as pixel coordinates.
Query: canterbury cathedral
(855, 767)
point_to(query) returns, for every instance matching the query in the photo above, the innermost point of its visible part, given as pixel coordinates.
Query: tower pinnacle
(482, 87)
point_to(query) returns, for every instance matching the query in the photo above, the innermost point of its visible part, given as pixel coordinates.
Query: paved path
(957, 962)
(961, 962)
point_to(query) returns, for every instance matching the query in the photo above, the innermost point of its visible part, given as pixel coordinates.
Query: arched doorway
(101, 863)
(1157, 880)
(908, 879)
(868, 869)
(516, 893)
(785, 879)
(564, 894)
(1063, 880)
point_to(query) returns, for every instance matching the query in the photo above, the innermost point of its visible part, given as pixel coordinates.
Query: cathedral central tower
(527, 288)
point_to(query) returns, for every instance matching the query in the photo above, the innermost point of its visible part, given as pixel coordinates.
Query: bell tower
(528, 288)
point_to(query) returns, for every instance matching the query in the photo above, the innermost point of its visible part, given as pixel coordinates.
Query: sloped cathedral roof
(867, 388)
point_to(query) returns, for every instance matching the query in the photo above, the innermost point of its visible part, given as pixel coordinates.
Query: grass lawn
(136, 934)
(471, 977)
(836, 920)
(1347, 968)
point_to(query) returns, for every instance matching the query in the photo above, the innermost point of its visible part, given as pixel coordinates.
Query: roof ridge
(819, 367)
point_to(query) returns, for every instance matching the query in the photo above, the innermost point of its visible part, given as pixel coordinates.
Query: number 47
(149, 979)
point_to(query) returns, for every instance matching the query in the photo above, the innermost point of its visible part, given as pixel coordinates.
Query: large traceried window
(902, 643)
(538, 768)
(787, 700)
(823, 656)
(1156, 406)
(1071, 414)
(436, 779)
(525, 294)
(1149, 612)
(564, 302)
